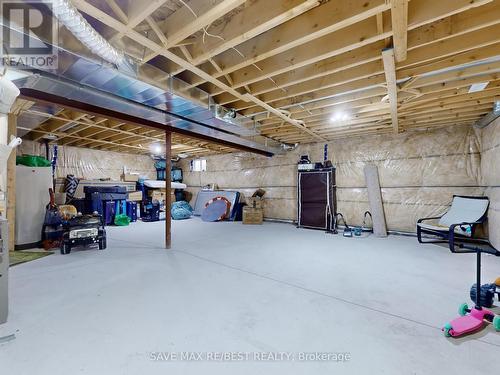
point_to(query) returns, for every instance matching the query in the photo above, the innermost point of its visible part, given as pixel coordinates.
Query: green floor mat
(18, 257)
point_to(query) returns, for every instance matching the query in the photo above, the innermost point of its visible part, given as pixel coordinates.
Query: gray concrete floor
(246, 290)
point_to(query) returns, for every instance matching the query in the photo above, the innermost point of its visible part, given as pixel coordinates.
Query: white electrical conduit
(70, 17)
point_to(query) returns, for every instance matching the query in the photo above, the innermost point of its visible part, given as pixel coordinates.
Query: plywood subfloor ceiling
(70, 128)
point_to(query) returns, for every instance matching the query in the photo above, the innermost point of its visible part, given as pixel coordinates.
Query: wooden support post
(11, 182)
(168, 192)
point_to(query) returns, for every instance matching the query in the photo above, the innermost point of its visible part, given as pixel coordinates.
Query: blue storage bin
(132, 211)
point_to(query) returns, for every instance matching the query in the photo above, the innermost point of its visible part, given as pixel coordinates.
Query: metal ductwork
(144, 95)
(490, 117)
(53, 90)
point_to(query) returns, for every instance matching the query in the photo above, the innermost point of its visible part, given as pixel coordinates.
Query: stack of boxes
(130, 177)
(135, 196)
(253, 213)
(160, 195)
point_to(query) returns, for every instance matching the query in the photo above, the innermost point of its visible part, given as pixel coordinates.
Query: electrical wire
(206, 33)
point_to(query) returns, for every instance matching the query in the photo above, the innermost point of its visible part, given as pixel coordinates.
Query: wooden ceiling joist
(253, 21)
(432, 83)
(120, 27)
(290, 65)
(183, 24)
(366, 66)
(318, 22)
(347, 39)
(104, 134)
(138, 13)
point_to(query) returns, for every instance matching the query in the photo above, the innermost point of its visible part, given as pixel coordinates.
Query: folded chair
(458, 224)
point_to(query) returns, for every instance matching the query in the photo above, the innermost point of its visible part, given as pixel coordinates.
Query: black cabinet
(317, 204)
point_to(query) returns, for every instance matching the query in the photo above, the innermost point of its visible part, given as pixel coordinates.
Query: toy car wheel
(447, 330)
(496, 322)
(102, 244)
(65, 248)
(463, 309)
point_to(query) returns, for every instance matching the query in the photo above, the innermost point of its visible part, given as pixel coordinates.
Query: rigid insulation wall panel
(490, 176)
(419, 173)
(375, 200)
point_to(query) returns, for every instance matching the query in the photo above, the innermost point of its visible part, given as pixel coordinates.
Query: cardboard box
(128, 177)
(252, 215)
(135, 196)
(255, 202)
(160, 195)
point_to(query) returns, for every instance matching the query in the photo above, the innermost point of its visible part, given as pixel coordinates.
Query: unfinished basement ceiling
(39, 122)
(320, 63)
(292, 71)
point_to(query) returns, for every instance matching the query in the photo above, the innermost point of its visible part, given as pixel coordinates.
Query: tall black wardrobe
(317, 202)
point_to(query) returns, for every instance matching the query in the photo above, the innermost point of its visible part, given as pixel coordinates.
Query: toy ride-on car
(83, 230)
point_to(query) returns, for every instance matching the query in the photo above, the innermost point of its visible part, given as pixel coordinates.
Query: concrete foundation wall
(419, 174)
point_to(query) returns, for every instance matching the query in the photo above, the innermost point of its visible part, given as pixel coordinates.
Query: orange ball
(497, 281)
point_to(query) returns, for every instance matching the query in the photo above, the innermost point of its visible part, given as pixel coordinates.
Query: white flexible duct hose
(70, 17)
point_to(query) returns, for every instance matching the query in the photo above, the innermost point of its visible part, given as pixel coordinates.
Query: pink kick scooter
(473, 319)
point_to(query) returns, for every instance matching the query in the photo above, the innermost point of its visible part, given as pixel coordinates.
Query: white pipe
(3, 161)
(3, 129)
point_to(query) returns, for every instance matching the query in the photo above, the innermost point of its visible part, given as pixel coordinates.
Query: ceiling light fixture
(339, 117)
(156, 149)
(477, 87)
(81, 29)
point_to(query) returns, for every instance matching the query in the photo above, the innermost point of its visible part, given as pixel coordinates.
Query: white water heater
(32, 196)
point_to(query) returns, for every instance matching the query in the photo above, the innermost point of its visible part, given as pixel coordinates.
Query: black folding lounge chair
(458, 224)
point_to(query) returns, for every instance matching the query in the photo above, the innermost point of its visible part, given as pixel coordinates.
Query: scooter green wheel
(496, 322)
(463, 309)
(446, 330)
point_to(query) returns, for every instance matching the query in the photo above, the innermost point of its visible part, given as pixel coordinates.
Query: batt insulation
(490, 176)
(91, 164)
(419, 173)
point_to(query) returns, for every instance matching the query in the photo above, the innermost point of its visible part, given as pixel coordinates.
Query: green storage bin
(32, 161)
(122, 220)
